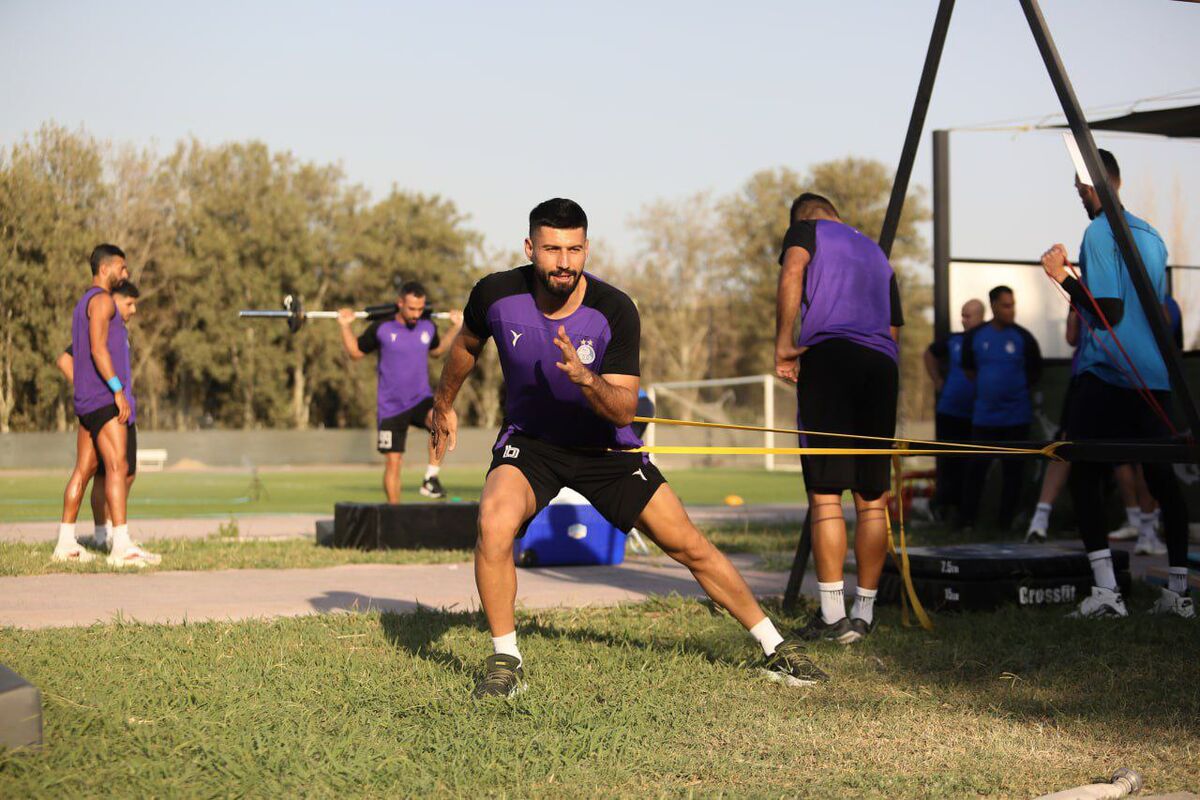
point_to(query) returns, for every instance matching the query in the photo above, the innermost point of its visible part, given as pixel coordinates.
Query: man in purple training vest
(104, 400)
(404, 345)
(569, 350)
(845, 365)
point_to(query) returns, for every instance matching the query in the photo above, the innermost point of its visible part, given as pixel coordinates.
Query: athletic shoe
(1179, 605)
(503, 677)
(1124, 533)
(134, 556)
(818, 629)
(1149, 544)
(72, 553)
(432, 487)
(1035, 535)
(861, 628)
(791, 666)
(1100, 603)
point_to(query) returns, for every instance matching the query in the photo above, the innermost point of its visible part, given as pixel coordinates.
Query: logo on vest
(516, 336)
(511, 452)
(425, 337)
(1010, 347)
(585, 351)
(393, 337)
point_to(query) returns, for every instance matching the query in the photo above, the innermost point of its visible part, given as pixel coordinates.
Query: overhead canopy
(1179, 123)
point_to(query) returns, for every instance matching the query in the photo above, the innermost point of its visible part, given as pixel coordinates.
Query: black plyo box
(1002, 561)
(419, 526)
(939, 594)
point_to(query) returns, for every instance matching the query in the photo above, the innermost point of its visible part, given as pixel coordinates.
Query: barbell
(293, 311)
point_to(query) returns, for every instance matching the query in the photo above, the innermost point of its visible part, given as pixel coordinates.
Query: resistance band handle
(114, 383)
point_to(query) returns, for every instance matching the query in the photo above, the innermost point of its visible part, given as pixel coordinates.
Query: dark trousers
(950, 473)
(1103, 411)
(1012, 468)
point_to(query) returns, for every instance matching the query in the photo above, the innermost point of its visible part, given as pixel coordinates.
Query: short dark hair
(415, 288)
(103, 254)
(1111, 166)
(559, 213)
(995, 293)
(127, 288)
(808, 201)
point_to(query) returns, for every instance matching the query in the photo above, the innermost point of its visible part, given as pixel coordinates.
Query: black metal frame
(1108, 201)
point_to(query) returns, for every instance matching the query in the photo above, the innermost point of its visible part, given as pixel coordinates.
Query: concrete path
(62, 600)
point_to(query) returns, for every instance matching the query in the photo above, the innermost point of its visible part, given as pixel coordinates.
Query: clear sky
(500, 105)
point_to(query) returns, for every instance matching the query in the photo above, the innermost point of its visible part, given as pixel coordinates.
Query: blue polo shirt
(957, 398)
(1105, 275)
(1006, 362)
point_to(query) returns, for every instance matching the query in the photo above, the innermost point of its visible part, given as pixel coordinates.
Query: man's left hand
(576, 371)
(1054, 262)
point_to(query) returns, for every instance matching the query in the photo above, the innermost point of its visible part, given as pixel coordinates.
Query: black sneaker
(791, 666)
(432, 487)
(818, 629)
(861, 628)
(503, 677)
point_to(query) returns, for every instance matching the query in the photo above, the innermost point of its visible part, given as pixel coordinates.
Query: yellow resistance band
(909, 595)
(685, 450)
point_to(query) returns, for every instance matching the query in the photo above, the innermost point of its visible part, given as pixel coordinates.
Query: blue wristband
(114, 383)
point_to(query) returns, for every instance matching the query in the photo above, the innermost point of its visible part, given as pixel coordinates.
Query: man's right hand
(345, 317)
(122, 407)
(443, 430)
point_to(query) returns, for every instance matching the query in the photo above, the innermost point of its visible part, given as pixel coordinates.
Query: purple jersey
(540, 400)
(403, 362)
(91, 392)
(850, 289)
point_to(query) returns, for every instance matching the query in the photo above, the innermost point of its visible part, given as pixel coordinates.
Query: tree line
(209, 229)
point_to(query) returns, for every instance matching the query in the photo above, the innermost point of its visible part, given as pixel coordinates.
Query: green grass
(648, 700)
(198, 494)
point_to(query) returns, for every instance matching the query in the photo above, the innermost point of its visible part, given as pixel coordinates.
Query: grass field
(648, 700)
(197, 494)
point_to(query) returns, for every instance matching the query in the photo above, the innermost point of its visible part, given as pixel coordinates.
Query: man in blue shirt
(1107, 402)
(955, 405)
(1005, 361)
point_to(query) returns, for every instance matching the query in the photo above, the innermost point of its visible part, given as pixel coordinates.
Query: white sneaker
(1149, 544)
(134, 556)
(1180, 605)
(1124, 533)
(1100, 603)
(73, 552)
(1035, 534)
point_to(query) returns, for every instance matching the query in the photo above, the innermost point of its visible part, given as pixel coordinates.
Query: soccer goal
(759, 400)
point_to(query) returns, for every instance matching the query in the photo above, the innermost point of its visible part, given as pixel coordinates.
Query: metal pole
(941, 234)
(768, 382)
(916, 124)
(1112, 209)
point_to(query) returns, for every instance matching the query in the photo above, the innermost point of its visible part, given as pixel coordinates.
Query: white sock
(1041, 517)
(66, 535)
(1102, 569)
(1146, 524)
(864, 604)
(1177, 579)
(431, 471)
(1133, 517)
(506, 645)
(120, 538)
(766, 635)
(833, 601)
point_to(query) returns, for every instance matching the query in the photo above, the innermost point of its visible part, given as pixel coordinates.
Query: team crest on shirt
(425, 337)
(393, 337)
(585, 351)
(1010, 347)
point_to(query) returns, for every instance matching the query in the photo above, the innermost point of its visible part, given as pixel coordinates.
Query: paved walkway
(60, 600)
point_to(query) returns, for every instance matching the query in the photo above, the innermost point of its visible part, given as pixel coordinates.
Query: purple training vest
(91, 392)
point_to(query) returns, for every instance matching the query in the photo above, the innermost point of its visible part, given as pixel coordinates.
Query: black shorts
(93, 421)
(393, 431)
(618, 485)
(1100, 410)
(847, 388)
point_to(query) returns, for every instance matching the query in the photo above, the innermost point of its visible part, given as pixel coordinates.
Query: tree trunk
(299, 395)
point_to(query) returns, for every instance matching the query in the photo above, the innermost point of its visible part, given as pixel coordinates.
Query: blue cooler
(569, 532)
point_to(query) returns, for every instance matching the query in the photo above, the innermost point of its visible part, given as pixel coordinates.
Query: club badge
(425, 337)
(585, 351)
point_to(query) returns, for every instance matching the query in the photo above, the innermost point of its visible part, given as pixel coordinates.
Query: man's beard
(558, 290)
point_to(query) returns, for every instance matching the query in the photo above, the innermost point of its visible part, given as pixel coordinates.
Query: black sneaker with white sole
(791, 666)
(818, 629)
(432, 487)
(861, 628)
(502, 677)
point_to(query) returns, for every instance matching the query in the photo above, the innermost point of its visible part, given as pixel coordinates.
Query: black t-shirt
(804, 234)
